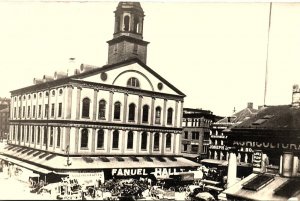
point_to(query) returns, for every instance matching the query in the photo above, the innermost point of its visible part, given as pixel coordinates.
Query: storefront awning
(62, 163)
(25, 165)
(215, 162)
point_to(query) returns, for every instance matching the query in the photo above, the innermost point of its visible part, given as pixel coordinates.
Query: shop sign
(143, 172)
(219, 147)
(86, 174)
(129, 172)
(257, 157)
(268, 145)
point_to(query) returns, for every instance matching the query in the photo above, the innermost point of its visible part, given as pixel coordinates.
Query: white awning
(25, 165)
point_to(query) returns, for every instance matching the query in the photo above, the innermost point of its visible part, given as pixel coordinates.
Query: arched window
(130, 140)
(133, 82)
(102, 108)
(32, 134)
(145, 113)
(144, 141)
(168, 141)
(170, 116)
(156, 142)
(126, 23)
(100, 139)
(136, 24)
(38, 136)
(157, 115)
(117, 110)
(131, 113)
(86, 108)
(58, 137)
(51, 136)
(115, 142)
(84, 138)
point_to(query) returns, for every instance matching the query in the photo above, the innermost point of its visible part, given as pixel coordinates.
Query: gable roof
(99, 70)
(238, 117)
(281, 117)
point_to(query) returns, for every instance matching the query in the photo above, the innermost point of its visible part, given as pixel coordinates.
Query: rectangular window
(195, 135)
(32, 134)
(206, 136)
(115, 142)
(19, 112)
(194, 149)
(27, 134)
(40, 110)
(33, 111)
(186, 135)
(28, 111)
(38, 136)
(185, 147)
(58, 137)
(52, 110)
(45, 139)
(59, 109)
(46, 110)
(15, 112)
(23, 111)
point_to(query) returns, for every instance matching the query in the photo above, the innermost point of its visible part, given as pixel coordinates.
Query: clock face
(103, 76)
(160, 86)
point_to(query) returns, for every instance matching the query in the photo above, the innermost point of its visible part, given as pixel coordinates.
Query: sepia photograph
(149, 100)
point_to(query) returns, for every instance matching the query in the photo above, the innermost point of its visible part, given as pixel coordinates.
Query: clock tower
(127, 39)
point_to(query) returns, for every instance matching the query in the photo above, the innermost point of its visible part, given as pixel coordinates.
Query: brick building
(195, 135)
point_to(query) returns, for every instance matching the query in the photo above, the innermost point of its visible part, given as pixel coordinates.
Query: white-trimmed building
(120, 117)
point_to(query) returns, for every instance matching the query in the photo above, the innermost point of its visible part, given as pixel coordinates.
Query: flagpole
(266, 73)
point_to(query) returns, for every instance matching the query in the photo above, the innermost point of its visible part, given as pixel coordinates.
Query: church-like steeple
(127, 39)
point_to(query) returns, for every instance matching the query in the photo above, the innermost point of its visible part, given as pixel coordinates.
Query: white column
(232, 168)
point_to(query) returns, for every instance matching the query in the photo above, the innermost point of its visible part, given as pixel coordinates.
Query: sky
(215, 53)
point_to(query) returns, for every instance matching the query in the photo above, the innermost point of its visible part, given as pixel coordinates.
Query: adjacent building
(4, 117)
(273, 135)
(121, 119)
(218, 151)
(195, 135)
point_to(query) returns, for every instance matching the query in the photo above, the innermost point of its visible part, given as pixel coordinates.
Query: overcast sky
(215, 53)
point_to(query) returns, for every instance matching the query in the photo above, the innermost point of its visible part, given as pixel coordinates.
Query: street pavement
(12, 189)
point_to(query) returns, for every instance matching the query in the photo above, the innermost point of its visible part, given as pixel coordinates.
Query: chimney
(250, 105)
(296, 96)
(59, 75)
(47, 78)
(37, 81)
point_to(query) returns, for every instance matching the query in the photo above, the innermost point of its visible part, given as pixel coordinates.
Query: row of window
(20, 135)
(130, 140)
(132, 82)
(195, 135)
(84, 139)
(40, 95)
(86, 102)
(46, 109)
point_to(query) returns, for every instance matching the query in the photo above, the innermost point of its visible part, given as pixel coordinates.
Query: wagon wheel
(181, 189)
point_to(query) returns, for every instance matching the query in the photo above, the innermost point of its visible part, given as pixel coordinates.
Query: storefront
(97, 168)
